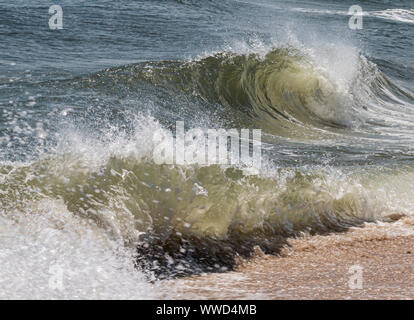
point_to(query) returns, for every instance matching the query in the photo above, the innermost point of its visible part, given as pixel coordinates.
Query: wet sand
(318, 267)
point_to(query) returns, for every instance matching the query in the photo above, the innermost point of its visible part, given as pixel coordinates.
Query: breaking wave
(191, 218)
(184, 219)
(285, 91)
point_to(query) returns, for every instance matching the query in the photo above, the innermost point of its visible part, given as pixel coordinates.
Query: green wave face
(275, 90)
(284, 92)
(200, 216)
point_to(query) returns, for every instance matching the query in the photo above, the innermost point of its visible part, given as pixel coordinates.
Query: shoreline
(376, 260)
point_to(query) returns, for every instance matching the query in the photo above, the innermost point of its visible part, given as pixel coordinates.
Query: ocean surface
(85, 212)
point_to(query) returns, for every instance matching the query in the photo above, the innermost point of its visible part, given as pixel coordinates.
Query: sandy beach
(320, 267)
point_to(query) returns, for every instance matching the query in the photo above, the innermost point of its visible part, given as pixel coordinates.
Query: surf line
(208, 147)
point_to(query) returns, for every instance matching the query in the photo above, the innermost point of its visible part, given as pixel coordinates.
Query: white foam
(401, 15)
(48, 253)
